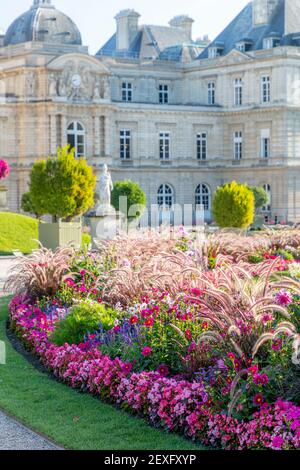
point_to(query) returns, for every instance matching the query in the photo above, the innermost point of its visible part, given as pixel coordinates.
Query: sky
(95, 18)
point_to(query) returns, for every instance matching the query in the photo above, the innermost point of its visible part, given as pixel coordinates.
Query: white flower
(294, 270)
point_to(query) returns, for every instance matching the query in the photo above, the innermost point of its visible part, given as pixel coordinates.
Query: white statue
(105, 188)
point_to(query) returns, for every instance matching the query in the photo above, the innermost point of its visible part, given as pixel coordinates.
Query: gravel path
(15, 436)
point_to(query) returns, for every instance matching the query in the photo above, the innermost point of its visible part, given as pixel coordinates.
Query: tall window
(165, 196)
(238, 92)
(163, 94)
(265, 143)
(267, 207)
(202, 146)
(126, 91)
(203, 196)
(265, 89)
(76, 138)
(211, 93)
(164, 145)
(125, 145)
(238, 145)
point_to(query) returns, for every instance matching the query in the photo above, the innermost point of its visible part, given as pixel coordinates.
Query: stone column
(97, 138)
(53, 134)
(64, 138)
(107, 131)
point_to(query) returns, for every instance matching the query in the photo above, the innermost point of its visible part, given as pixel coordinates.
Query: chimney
(183, 22)
(263, 11)
(127, 28)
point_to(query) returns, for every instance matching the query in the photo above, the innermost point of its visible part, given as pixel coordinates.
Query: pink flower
(260, 379)
(284, 298)
(4, 169)
(147, 351)
(70, 282)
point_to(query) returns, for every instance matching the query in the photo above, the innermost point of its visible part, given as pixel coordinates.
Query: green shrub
(62, 186)
(233, 206)
(83, 318)
(135, 197)
(86, 240)
(260, 197)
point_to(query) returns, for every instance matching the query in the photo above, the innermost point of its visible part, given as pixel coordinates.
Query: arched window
(165, 196)
(268, 190)
(203, 196)
(76, 138)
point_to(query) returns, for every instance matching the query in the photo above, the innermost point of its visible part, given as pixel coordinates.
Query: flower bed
(200, 352)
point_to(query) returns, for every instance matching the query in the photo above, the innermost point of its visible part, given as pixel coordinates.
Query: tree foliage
(136, 198)
(62, 186)
(234, 206)
(260, 197)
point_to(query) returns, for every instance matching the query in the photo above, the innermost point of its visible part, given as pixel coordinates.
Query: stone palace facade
(178, 116)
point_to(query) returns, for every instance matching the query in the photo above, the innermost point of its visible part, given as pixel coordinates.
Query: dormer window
(216, 50)
(273, 40)
(244, 45)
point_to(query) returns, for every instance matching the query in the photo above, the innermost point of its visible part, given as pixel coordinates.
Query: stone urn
(3, 199)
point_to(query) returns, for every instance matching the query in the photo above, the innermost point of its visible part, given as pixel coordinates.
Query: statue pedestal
(105, 225)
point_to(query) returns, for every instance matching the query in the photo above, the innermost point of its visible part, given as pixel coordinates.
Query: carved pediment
(77, 77)
(235, 57)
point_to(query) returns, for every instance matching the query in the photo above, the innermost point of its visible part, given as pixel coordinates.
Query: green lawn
(17, 232)
(73, 420)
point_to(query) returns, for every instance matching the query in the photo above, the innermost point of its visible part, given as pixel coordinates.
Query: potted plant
(4, 172)
(62, 187)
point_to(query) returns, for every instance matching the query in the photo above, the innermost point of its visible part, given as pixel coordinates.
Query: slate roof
(242, 27)
(152, 41)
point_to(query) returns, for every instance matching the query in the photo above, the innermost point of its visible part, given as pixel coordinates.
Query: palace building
(178, 116)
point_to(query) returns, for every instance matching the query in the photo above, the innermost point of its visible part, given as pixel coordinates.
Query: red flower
(258, 399)
(196, 292)
(188, 334)
(149, 322)
(253, 369)
(133, 320)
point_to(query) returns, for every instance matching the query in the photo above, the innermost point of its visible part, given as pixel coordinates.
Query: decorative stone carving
(31, 82)
(105, 188)
(97, 90)
(52, 85)
(106, 88)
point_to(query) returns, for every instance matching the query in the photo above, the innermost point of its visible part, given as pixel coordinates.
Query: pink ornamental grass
(4, 169)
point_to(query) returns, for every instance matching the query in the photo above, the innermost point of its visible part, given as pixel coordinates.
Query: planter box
(60, 234)
(3, 199)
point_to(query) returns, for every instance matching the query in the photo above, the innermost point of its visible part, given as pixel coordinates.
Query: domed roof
(43, 23)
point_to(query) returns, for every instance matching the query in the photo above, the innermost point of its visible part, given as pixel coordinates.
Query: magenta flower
(277, 442)
(4, 169)
(284, 298)
(277, 345)
(163, 370)
(147, 351)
